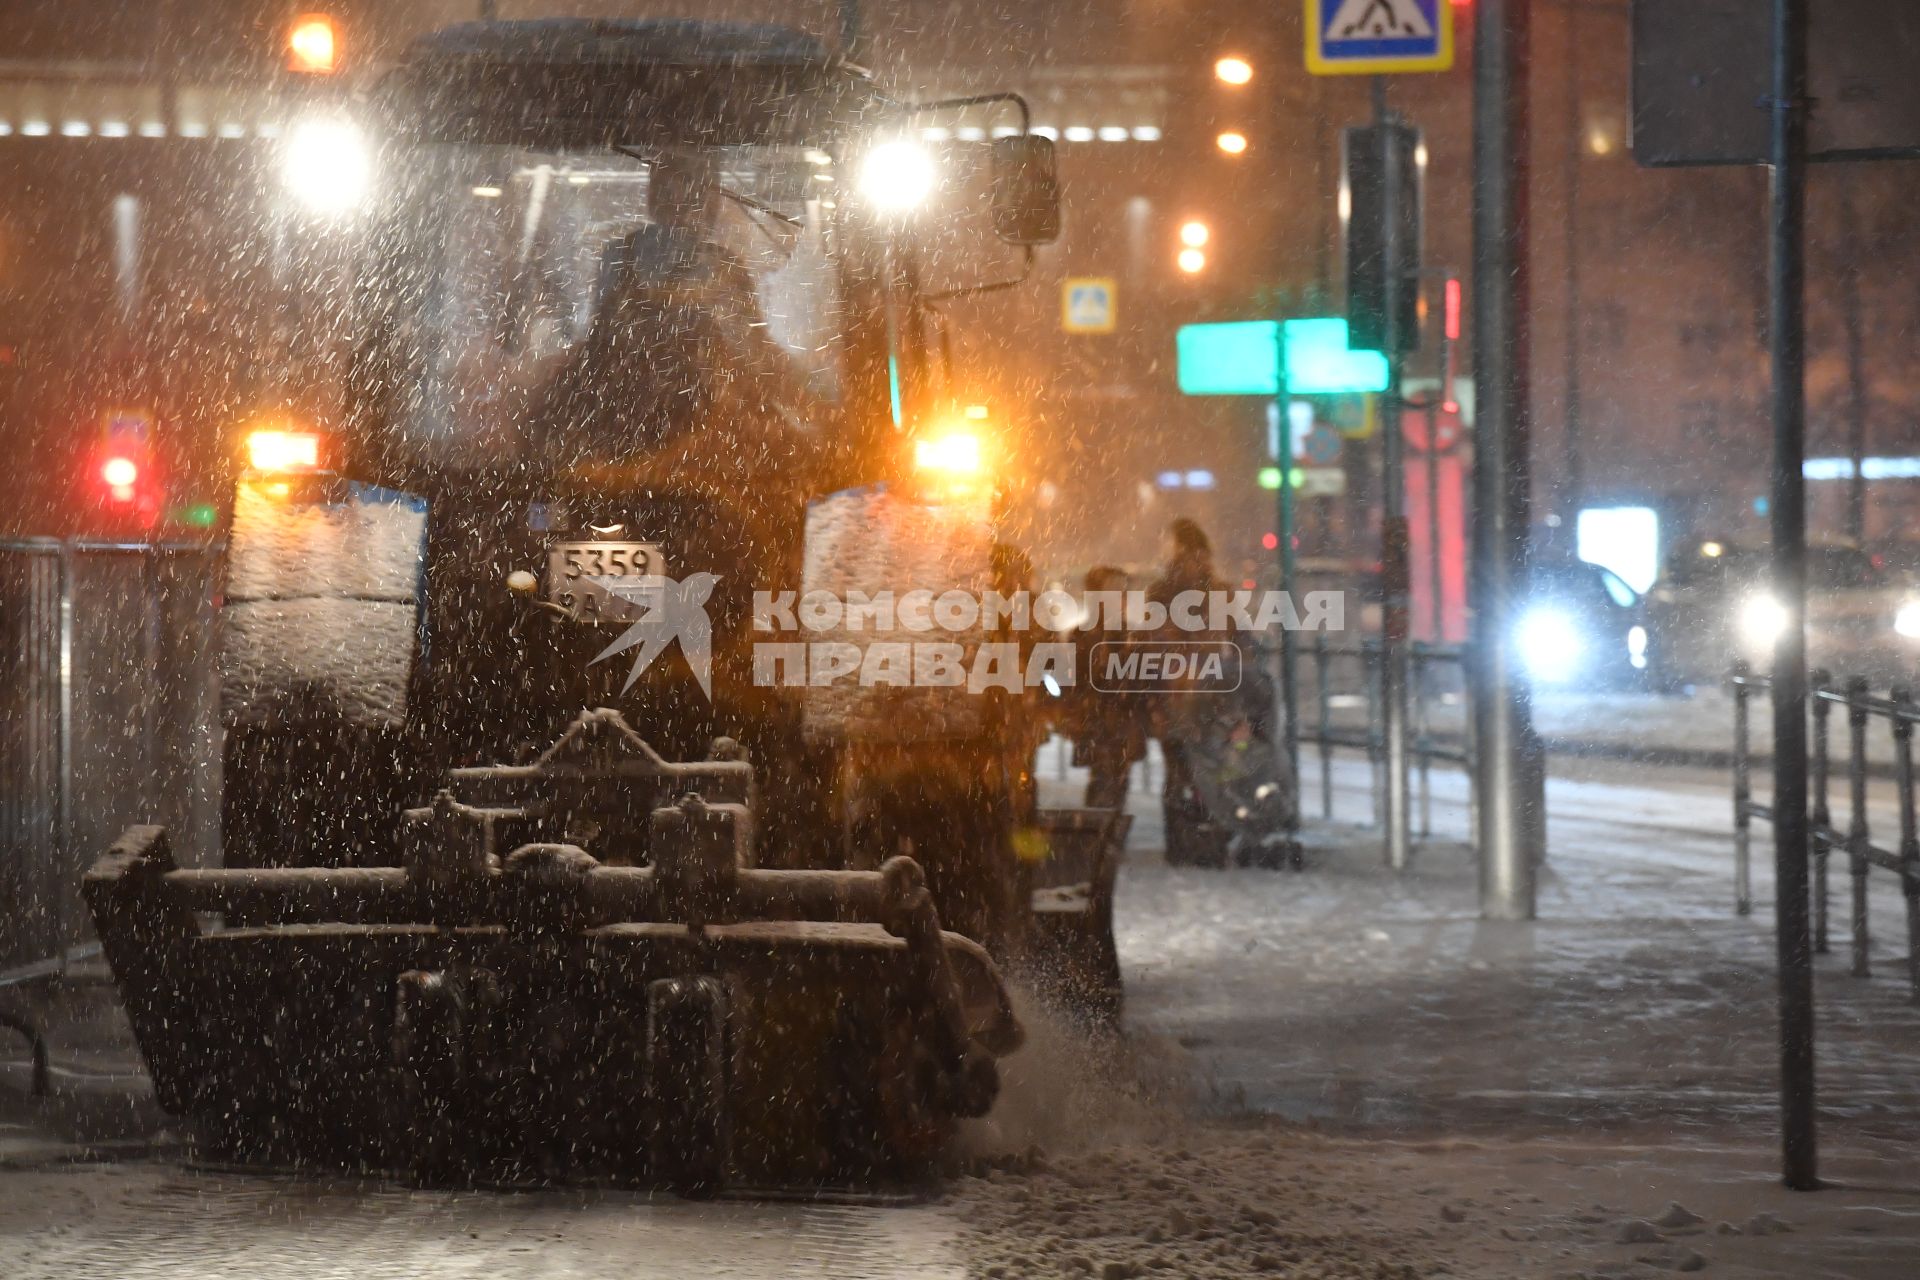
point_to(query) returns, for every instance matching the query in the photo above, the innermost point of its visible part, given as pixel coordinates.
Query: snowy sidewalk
(1430, 1091)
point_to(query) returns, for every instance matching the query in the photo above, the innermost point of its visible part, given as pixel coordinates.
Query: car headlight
(327, 165)
(1906, 621)
(1762, 619)
(1637, 647)
(1550, 645)
(897, 176)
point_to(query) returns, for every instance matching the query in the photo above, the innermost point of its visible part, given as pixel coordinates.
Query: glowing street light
(1194, 234)
(1232, 142)
(1232, 70)
(1191, 261)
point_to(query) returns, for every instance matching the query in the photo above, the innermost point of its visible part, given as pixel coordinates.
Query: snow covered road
(1338, 1073)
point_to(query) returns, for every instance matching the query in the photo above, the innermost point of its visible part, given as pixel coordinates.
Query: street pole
(1575, 477)
(1283, 502)
(1787, 341)
(1509, 775)
(1856, 349)
(1436, 403)
(1394, 566)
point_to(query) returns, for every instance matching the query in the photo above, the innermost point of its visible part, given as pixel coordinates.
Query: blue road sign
(1372, 37)
(1322, 446)
(1086, 304)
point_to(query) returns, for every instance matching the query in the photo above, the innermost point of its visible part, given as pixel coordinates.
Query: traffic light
(313, 45)
(1193, 235)
(1376, 157)
(120, 473)
(1233, 70)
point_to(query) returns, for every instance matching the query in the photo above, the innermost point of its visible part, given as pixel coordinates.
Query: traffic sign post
(1378, 37)
(1279, 359)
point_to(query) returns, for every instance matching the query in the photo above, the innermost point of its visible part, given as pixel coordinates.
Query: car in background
(1713, 604)
(1580, 628)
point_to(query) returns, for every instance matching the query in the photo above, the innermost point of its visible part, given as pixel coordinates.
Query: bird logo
(676, 610)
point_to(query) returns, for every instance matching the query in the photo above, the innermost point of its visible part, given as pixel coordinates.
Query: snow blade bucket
(515, 1013)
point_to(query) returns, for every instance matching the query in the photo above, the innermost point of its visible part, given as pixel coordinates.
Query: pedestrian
(1108, 726)
(1180, 717)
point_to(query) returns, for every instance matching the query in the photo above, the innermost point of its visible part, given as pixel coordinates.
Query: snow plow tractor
(639, 305)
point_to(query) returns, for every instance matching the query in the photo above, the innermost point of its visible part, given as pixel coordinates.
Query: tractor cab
(629, 296)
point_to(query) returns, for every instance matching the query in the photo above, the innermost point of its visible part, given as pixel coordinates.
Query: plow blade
(537, 1016)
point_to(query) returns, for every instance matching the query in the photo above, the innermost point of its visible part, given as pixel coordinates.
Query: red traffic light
(120, 474)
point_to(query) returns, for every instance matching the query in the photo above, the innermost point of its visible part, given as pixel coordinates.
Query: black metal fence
(107, 718)
(1895, 715)
(1347, 713)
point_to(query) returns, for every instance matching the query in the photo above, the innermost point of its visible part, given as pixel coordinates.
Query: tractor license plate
(613, 582)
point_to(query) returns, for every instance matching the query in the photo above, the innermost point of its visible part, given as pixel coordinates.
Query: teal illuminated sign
(1319, 362)
(1242, 358)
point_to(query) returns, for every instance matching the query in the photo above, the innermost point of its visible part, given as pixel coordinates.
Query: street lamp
(1191, 261)
(1233, 70)
(1232, 142)
(1195, 234)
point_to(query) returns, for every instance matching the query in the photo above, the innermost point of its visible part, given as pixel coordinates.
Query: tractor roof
(579, 82)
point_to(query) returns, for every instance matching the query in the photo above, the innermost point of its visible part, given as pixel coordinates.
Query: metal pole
(1856, 342)
(1326, 723)
(1903, 712)
(1742, 792)
(1575, 478)
(1283, 501)
(1393, 525)
(1787, 234)
(1819, 815)
(1435, 403)
(1511, 784)
(63, 826)
(1859, 836)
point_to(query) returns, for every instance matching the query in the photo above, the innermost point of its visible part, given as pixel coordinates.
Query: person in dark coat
(1180, 717)
(1108, 726)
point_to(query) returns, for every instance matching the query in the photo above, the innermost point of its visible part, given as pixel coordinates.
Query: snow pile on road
(1105, 1157)
(1218, 1203)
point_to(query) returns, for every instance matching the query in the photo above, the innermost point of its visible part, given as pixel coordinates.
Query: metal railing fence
(1897, 712)
(107, 717)
(1341, 674)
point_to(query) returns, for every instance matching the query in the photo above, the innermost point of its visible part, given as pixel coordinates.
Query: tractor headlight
(327, 165)
(1762, 619)
(1550, 644)
(897, 176)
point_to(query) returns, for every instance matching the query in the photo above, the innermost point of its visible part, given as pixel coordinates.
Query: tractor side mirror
(1026, 192)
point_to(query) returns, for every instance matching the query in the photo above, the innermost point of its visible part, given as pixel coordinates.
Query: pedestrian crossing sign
(1373, 37)
(1086, 305)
